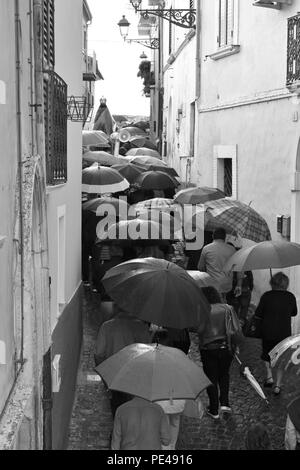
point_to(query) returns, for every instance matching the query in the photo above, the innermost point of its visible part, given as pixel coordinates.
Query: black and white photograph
(150, 228)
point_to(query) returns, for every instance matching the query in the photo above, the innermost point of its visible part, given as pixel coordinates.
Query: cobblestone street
(91, 423)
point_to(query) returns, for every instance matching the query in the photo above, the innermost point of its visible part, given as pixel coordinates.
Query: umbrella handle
(271, 273)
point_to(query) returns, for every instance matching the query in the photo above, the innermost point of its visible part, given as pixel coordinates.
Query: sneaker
(217, 416)
(226, 409)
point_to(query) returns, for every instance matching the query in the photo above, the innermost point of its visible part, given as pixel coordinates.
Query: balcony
(91, 72)
(293, 54)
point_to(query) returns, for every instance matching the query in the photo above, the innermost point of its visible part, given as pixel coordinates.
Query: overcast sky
(118, 61)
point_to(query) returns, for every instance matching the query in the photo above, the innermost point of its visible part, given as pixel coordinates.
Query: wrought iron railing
(55, 101)
(80, 108)
(293, 52)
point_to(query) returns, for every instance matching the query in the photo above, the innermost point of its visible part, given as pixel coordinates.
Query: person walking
(113, 336)
(275, 310)
(217, 349)
(140, 425)
(241, 302)
(212, 260)
(292, 427)
(173, 411)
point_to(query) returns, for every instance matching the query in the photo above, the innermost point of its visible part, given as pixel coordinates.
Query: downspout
(198, 55)
(20, 359)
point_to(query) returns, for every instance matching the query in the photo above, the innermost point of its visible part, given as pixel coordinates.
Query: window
(225, 169)
(227, 16)
(55, 105)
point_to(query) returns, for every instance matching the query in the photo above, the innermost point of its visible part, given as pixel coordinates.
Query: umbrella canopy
(103, 158)
(265, 255)
(157, 291)
(101, 179)
(287, 353)
(146, 160)
(165, 169)
(132, 230)
(157, 203)
(170, 226)
(121, 207)
(156, 180)
(143, 151)
(153, 372)
(236, 217)
(198, 195)
(146, 143)
(96, 138)
(202, 279)
(129, 171)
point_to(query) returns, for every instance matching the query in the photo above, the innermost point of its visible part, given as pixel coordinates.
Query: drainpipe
(198, 55)
(20, 359)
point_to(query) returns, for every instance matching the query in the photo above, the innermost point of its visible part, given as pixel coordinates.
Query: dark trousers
(216, 365)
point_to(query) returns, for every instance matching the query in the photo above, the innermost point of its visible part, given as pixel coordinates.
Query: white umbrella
(96, 138)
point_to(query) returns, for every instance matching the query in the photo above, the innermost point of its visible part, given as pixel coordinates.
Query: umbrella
(202, 279)
(156, 180)
(120, 206)
(101, 179)
(157, 291)
(170, 226)
(131, 230)
(143, 151)
(264, 255)
(286, 353)
(103, 158)
(96, 138)
(236, 217)
(137, 135)
(129, 171)
(198, 195)
(252, 380)
(146, 160)
(165, 169)
(153, 372)
(157, 203)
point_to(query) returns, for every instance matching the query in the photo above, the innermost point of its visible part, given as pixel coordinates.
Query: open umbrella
(198, 195)
(202, 279)
(236, 217)
(155, 180)
(264, 255)
(96, 138)
(157, 291)
(287, 353)
(103, 158)
(165, 169)
(101, 179)
(252, 380)
(143, 151)
(170, 224)
(146, 143)
(146, 160)
(129, 171)
(120, 206)
(153, 372)
(157, 203)
(131, 230)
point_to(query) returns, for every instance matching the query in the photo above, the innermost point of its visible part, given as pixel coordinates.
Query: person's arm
(201, 263)
(295, 310)
(117, 433)
(239, 281)
(165, 434)
(290, 438)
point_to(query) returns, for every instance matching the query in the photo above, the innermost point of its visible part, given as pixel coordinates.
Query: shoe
(217, 416)
(86, 283)
(276, 390)
(269, 383)
(94, 290)
(226, 409)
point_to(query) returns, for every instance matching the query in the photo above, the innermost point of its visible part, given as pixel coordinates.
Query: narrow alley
(92, 423)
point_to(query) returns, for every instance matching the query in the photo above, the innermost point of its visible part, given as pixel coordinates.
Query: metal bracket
(151, 43)
(183, 18)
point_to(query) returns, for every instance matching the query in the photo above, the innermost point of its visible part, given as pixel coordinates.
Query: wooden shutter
(226, 22)
(48, 34)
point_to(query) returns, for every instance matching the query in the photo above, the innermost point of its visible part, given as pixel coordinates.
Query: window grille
(293, 51)
(226, 22)
(55, 108)
(48, 34)
(228, 176)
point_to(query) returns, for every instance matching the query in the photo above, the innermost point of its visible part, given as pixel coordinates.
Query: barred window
(55, 104)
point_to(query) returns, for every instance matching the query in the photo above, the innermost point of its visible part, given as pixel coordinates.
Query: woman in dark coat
(275, 309)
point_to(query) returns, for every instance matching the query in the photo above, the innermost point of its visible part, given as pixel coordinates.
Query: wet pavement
(91, 423)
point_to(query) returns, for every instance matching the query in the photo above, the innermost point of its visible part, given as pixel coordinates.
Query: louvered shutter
(230, 21)
(226, 22)
(48, 34)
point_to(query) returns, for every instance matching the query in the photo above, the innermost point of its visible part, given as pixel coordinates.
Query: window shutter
(226, 22)
(48, 34)
(230, 21)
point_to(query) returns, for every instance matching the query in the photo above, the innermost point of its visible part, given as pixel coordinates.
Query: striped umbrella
(236, 218)
(101, 180)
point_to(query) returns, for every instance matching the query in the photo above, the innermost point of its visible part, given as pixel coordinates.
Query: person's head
(211, 294)
(257, 438)
(279, 281)
(219, 234)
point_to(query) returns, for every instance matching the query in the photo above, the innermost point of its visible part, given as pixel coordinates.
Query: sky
(118, 61)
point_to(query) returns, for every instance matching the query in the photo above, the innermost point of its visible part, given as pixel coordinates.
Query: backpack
(232, 325)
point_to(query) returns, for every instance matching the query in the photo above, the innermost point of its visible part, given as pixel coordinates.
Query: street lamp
(124, 26)
(185, 18)
(143, 55)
